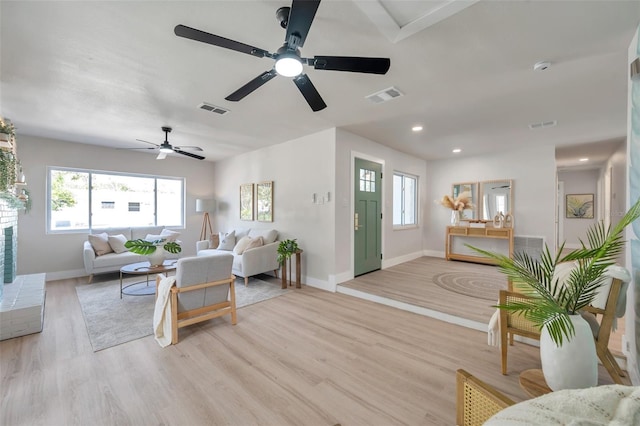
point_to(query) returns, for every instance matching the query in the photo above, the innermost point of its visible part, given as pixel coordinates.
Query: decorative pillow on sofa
(169, 235)
(100, 243)
(227, 241)
(268, 235)
(241, 245)
(255, 242)
(117, 243)
(151, 237)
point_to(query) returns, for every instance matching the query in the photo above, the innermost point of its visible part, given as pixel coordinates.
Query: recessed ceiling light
(416, 128)
(457, 150)
(582, 160)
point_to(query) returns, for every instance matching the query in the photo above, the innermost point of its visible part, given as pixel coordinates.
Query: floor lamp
(205, 206)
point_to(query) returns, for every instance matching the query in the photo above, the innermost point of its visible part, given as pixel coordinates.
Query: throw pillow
(151, 237)
(100, 243)
(117, 243)
(241, 245)
(227, 241)
(255, 242)
(169, 235)
(214, 241)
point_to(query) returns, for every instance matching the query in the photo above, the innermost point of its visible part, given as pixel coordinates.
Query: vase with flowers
(457, 205)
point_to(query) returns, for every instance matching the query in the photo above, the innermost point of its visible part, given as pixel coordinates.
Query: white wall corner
(433, 253)
(320, 284)
(388, 263)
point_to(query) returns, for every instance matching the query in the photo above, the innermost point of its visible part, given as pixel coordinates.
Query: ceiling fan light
(288, 66)
(166, 150)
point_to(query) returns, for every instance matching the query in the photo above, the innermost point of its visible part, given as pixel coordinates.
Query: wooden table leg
(284, 274)
(298, 271)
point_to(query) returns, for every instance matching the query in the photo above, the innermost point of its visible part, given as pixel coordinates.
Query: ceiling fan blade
(352, 63)
(139, 148)
(300, 19)
(161, 156)
(194, 34)
(188, 154)
(309, 92)
(190, 148)
(251, 86)
(150, 143)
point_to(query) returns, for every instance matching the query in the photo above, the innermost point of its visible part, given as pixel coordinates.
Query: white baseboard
(388, 263)
(63, 275)
(340, 278)
(320, 284)
(433, 253)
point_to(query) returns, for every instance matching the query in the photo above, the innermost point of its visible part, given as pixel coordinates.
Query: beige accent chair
(476, 401)
(608, 305)
(204, 289)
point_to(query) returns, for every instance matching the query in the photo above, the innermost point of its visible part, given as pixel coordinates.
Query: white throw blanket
(162, 312)
(493, 332)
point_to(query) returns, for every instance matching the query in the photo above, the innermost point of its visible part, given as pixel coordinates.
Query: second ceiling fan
(297, 20)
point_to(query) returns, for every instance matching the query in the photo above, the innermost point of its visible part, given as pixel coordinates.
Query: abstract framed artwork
(246, 201)
(264, 201)
(579, 206)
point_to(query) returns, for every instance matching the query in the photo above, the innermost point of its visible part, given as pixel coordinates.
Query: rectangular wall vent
(384, 95)
(543, 124)
(533, 246)
(212, 108)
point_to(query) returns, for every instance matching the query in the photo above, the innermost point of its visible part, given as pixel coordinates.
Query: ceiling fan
(166, 148)
(297, 20)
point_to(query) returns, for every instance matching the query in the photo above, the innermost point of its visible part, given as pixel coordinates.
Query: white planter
(157, 257)
(574, 365)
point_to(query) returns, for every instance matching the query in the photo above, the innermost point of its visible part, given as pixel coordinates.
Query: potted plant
(7, 170)
(286, 249)
(7, 131)
(150, 248)
(555, 302)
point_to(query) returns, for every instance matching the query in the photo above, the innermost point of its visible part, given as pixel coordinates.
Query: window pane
(170, 202)
(122, 190)
(409, 201)
(397, 200)
(68, 200)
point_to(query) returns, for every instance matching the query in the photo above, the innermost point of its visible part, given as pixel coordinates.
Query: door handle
(356, 223)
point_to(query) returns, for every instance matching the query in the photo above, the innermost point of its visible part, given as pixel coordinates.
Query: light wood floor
(306, 358)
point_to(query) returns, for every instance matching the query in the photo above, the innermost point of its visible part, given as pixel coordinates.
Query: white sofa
(112, 262)
(253, 261)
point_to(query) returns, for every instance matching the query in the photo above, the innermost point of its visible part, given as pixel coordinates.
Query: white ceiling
(111, 72)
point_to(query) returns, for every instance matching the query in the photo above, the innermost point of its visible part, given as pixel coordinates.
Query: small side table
(298, 271)
(533, 383)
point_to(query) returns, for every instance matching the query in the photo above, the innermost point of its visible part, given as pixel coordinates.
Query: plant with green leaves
(286, 249)
(145, 247)
(551, 301)
(7, 128)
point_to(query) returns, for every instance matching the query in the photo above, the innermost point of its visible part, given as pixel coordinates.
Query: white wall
(397, 245)
(60, 255)
(632, 317)
(533, 172)
(579, 182)
(298, 168)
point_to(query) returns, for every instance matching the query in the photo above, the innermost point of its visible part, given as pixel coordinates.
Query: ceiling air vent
(384, 95)
(212, 108)
(542, 125)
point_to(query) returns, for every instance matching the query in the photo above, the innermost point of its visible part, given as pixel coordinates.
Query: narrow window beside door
(405, 200)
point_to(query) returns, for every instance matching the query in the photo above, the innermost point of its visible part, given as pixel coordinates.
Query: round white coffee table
(143, 268)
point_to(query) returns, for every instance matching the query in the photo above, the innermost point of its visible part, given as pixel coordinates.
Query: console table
(499, 240)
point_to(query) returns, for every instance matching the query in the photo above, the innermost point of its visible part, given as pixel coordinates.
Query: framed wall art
(264, 201)
(579, 206)
(246, 201)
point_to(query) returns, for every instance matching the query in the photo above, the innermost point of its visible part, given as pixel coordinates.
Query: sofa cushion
(170, 235)
(241, 245)
(117, 243)
(255, 242)
(139, 233)
(100, 243)
(227, 241)
(268, 235)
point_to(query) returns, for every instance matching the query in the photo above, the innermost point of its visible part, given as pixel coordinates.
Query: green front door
(367, 219)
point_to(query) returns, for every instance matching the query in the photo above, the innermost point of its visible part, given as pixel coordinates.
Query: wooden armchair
(204, 289)
(476, 401)
(608, 306)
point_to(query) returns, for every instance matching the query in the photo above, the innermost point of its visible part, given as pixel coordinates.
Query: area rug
(112, 321)
(478, 285)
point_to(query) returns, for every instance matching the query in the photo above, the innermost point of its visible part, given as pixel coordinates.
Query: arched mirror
(496, 196)
(471, 188)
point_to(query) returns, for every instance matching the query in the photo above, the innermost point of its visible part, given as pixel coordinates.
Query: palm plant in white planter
(154, 249)
(555, 302)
